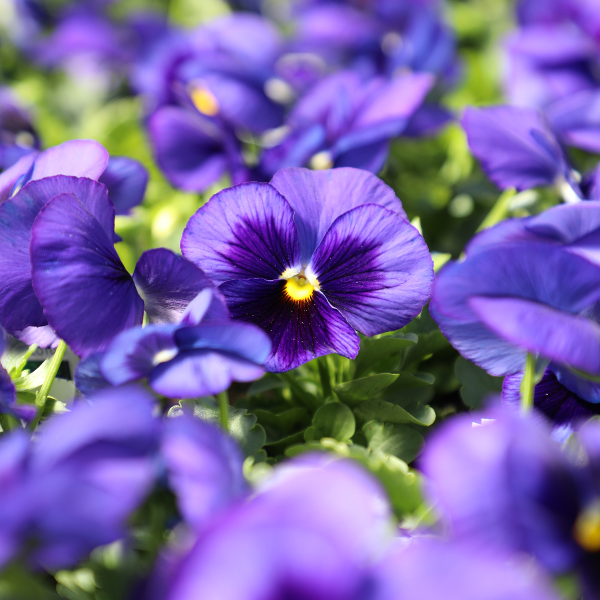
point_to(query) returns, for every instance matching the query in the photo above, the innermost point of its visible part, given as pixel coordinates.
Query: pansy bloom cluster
(300, 300)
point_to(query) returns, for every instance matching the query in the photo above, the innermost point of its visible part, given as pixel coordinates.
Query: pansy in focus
(199, 356)
(311, 258)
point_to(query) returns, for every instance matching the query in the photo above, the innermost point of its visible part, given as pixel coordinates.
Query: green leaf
(242, 426)
(18, 584)
(35, 379)
(14, 360)
(397, 440)
(380, 410)
(364, 388)
(334, 420)
(280, 446)
(265, 384)
(374, 350)
(477, 385)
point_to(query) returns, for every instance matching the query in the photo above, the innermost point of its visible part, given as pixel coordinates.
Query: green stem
(325, 376)
(499, 211)
(223, 399)
(42, 395)
(5, 423)
(528, 384)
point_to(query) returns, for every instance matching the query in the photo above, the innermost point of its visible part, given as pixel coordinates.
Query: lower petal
(299, 330)
(375, 268)
(197, 373)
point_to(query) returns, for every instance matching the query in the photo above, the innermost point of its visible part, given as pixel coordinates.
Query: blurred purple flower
(345, 121)
(199, 356)
(310, 532)
(506, 485)
(98, 460)
(430, 568)
(312, 257)
(126, 180)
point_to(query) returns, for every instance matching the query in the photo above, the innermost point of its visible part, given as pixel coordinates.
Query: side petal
(209, 305)
(299, 331)
(375, 268)
(195, 373)
(187, 147)
(126, 180)
(318, 198)
(515, 146)
(538, 328)
(134, 353)
(167, 283)
(87, 295)
(243, 232)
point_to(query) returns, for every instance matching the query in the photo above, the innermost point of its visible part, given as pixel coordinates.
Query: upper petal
(243, 232)
(167, 283)
(79, 158)
(375, 268)
(87, 295)
(318, 198)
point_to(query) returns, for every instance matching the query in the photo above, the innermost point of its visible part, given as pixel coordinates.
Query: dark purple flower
(507, 299)
(312, 257)
(562, 407)
(75, 486)
(310, 532)
(199, 356)
(204, 468)
(17, 135)
(345, 121)
(517, 147)
(506, 485)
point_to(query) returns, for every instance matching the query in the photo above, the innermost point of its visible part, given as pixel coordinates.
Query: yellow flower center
(587, 528)
(164, 356)
(299, 286)
(204, 101)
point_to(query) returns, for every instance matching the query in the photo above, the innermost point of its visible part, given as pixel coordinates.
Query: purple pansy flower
(311, 258)
(506, 485)
(576, 229)
(204, 467)
(517, 147)
(126, 180)
(291, 539)
(199, 356)
(345, 121)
